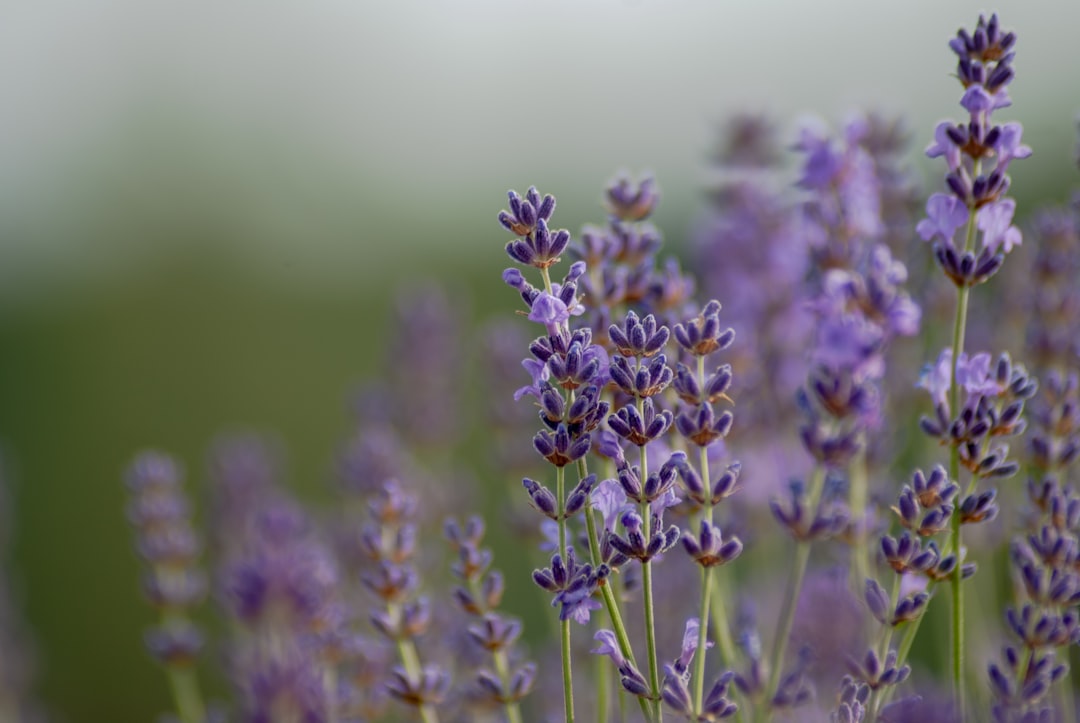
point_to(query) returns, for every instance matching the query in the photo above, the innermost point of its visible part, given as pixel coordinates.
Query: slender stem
(876, 696)
(567, 673)
(185, 690)
(611, 603)
(787, 617)
(857, 496)
(703, 627)
(719, 619)
(330, 686)
(568, 678)
(502, 668)
(646, 578)
(603, 687)
(706, 574)
(560, 492)
(411, 662)
(959, 327)
(182, 680)
(791, 599)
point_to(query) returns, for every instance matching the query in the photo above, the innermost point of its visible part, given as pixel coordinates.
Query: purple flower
(1009, 145)
(973, 374)
(935, 377)
(995, 221)
(945, 214)
(550, 311)
(608, 646)
(944, 145)
(539, 372)
(610, 499)
(690, 642)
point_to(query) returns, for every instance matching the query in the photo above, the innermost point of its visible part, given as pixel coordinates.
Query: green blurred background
(205, 209)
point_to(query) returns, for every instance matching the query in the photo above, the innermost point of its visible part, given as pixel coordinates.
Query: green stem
(502, 668)
(791, 599)
(959, 328)
(330, 686)
(719, 619)
(567, 674)
(411, 662)
(568, 678)
(646, 578)
(611, 603)
(185, 691)
(603, 685)
(706, 575)
(857, 496)
(703, 628)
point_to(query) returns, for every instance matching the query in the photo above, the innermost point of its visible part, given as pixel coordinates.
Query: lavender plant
(631, 384)
(977, 154)
(166, 540)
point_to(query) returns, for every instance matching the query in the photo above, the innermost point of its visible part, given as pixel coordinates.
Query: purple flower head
(525, 212)
(995, 221)
(539, 372)
(528, 218)
(945, 213)
(631, 201)
(944, 145)
(550, 311)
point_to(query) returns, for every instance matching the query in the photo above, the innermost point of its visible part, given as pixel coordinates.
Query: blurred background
(207, 209)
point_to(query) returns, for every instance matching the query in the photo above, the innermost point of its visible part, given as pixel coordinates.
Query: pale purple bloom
(539, 372)
(610, 499)
(609, 646)
(661, 503)
(995, 221)
(550, 311)
(549, 533)
(943, 145)
(1009, 145)
(945, 213)
(976, 100)
(607, 443)
(579, 609)
(973, 374)
(690, 642)
(935, 377)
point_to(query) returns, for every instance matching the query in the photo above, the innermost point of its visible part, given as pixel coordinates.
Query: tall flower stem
(791, 598)
(185, 691)
(857, 496)
(699, 682)
(611, 603)
(959, 328)
(411, 662)
(646, 578)
(568, 676)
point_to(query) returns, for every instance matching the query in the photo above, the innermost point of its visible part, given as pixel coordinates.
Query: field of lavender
(817, 464)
